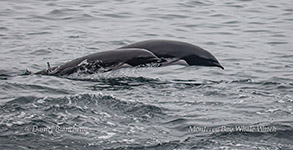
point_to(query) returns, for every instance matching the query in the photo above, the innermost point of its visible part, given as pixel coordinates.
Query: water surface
(246, 106)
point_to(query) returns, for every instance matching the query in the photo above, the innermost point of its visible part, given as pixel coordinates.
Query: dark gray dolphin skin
(193, 55)
(105, 61)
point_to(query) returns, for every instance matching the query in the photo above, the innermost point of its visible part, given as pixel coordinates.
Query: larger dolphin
(103, 61)
(177, 51)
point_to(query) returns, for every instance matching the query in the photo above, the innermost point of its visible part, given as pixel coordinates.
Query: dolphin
(103, 62)
(177, 52)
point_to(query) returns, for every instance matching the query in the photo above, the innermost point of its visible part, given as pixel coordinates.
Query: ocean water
(249, 105)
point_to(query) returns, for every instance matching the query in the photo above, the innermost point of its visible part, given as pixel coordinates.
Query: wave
(82, 104)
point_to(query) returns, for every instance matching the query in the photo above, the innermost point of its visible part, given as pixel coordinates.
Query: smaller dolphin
(174, 52)
(103, 61)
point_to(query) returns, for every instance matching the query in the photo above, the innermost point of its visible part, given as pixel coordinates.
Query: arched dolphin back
(192, 54)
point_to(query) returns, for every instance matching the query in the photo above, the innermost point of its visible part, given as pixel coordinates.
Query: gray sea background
(249, 105)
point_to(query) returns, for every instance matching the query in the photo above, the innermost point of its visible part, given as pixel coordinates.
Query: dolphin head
(200, 61)
(195, 55)
(142, 57)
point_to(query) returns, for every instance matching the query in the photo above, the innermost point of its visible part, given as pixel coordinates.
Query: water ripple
(146, 108)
